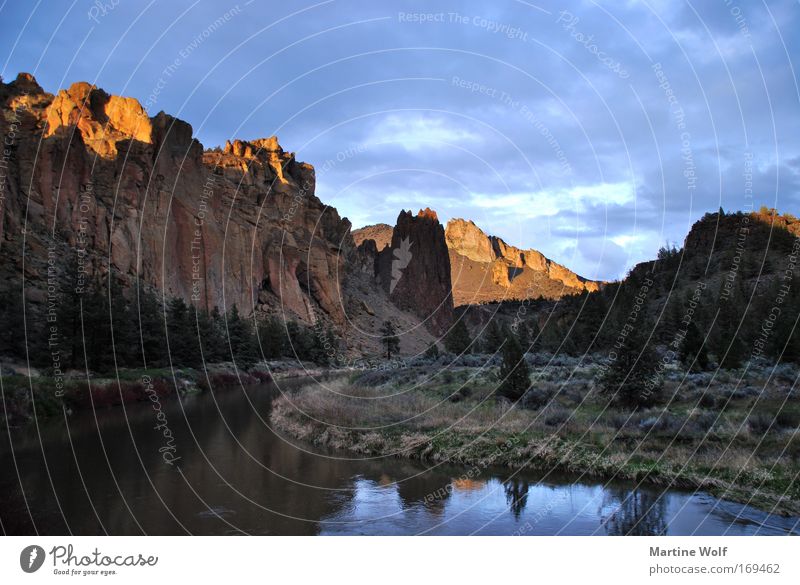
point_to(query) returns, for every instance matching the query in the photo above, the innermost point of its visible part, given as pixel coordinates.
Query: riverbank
(734, 439)
(29, 395)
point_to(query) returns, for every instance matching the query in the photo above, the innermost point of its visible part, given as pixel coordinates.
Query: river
(105, 473)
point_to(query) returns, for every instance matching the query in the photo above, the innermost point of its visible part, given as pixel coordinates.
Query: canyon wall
(90, 179)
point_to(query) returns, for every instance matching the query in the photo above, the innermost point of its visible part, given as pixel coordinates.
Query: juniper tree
(514, 371)
(632, 378)
(390, 340)
(458, 340)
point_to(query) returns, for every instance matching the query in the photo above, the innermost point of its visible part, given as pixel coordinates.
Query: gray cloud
(548, 128)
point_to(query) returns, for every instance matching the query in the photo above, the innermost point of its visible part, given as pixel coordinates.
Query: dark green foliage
(242, 341)
(514, 370)
(693, 352)
(632, 379)
(181, 335)
(492, 337)
(272, 336)
(432, 352)
(458, 340)
(726, 338)
(390, 340)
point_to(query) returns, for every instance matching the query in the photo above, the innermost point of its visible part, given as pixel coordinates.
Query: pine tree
(242, 340)
(458, 340)
(514, 370)
(390, 340)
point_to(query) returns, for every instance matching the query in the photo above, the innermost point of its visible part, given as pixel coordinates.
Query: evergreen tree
(492, 338)
(390, 340)
(121, 325)
(272, 337)
(631, 379)
(728, 346)
(458, 340)
(242, 340)
(432, 352)
(210, 336)
(693, 352)
(151, 329)
(182, 334)
(514, 370)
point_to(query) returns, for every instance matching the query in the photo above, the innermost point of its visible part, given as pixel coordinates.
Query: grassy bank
(32, 395)
(737, 440)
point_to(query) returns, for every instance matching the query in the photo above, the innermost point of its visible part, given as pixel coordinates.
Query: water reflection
(635, 513)
(106, 475)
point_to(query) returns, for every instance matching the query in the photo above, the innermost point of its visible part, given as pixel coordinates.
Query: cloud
(542, 144)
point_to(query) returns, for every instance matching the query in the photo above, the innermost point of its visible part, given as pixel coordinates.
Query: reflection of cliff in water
(634, 513)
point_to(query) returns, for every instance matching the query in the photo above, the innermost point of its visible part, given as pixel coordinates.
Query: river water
(103, 473)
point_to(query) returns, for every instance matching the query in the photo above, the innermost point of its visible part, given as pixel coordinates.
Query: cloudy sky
(593, 132)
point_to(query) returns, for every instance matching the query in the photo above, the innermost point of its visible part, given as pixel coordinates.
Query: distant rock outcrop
(414, 268)
(380, 233)
(487, 269)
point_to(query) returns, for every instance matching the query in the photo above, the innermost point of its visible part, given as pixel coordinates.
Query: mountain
(93, 185)
(485, 269)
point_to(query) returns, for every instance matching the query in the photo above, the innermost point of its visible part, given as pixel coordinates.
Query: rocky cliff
(487, 269)
(89, 178)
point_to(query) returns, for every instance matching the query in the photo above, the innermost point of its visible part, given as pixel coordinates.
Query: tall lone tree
(390, 340)
(514, 370)
(632, 379)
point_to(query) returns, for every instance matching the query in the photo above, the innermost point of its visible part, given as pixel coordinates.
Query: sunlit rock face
(92, 175)
(486, 269)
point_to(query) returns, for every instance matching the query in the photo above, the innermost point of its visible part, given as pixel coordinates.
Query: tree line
(105, 327)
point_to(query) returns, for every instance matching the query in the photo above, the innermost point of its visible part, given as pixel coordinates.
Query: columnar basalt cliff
(90, 178)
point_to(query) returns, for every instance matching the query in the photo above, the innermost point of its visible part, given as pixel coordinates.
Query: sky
(592, 132)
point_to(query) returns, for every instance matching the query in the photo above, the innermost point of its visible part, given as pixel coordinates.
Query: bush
(557, 416)
(536, 398)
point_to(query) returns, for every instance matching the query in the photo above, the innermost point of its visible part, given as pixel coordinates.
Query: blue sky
(593, 132)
